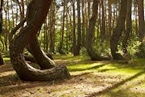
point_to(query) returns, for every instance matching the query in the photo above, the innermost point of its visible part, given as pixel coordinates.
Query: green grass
(93, 78)
(6, 59)
(106, 66)
(132, 76)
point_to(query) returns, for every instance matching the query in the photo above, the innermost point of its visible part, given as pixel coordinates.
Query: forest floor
(89, 79)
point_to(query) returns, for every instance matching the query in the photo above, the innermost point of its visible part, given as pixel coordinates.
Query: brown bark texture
(36, 14)
(120, 27)
(90, 34)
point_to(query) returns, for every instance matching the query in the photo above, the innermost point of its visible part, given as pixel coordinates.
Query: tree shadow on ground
(108, 89)
(11, 83)
(88, 68)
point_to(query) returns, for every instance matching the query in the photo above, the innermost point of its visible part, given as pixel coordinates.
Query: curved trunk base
(41, 58)
(36, 14)
(117, 56)
(94, 56)
(33, 74)
(28, 73)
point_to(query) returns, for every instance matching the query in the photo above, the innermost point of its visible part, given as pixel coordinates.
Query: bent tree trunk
(118, 31)
(41, 58)
(90, 33)
(36, 13)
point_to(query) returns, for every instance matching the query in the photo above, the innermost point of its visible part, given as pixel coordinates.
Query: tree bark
(128, 27)
(1, 29)
(74, 48)
(141, 31)
(141, 19)
(120, 27)
(78, 47)
(60, 48)
(41, 58)
(1, 60)
(90, 33)
(36, 13)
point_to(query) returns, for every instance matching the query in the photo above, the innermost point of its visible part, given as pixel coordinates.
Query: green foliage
(133, 47)
(141, 51)
(102, 47)
(84, 53)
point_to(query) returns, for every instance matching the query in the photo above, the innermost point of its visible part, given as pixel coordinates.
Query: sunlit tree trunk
(36, 13)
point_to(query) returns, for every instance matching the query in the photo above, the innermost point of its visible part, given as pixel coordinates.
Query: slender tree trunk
(1, 18)
(109, 18)
(78, 29)
(120, 27)
(74, 48)
(141, 19)
(128, 26)
(83, 24)
(60, 48)
(1, 28)
(36, 13)
(141, 51)
(90, 33)
(103, 22)
(52, 31)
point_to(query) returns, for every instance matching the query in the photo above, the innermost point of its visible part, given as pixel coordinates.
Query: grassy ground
(89, 79)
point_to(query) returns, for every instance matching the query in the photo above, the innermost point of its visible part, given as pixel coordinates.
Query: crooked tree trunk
(36, 13)
(41, 58)
(118, 31)
(90, 33)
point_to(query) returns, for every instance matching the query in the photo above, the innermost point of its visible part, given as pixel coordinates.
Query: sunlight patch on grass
(87, 66)
(68, 57)
(6, 59)
(112, 68)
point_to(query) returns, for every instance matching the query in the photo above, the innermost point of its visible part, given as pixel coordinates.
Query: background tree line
(98, 28)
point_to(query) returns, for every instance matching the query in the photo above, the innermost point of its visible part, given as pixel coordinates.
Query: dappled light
(89, 79)
(72, 48)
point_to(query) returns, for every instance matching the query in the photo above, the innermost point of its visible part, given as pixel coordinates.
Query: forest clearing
(89, 79)
(72, 48)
